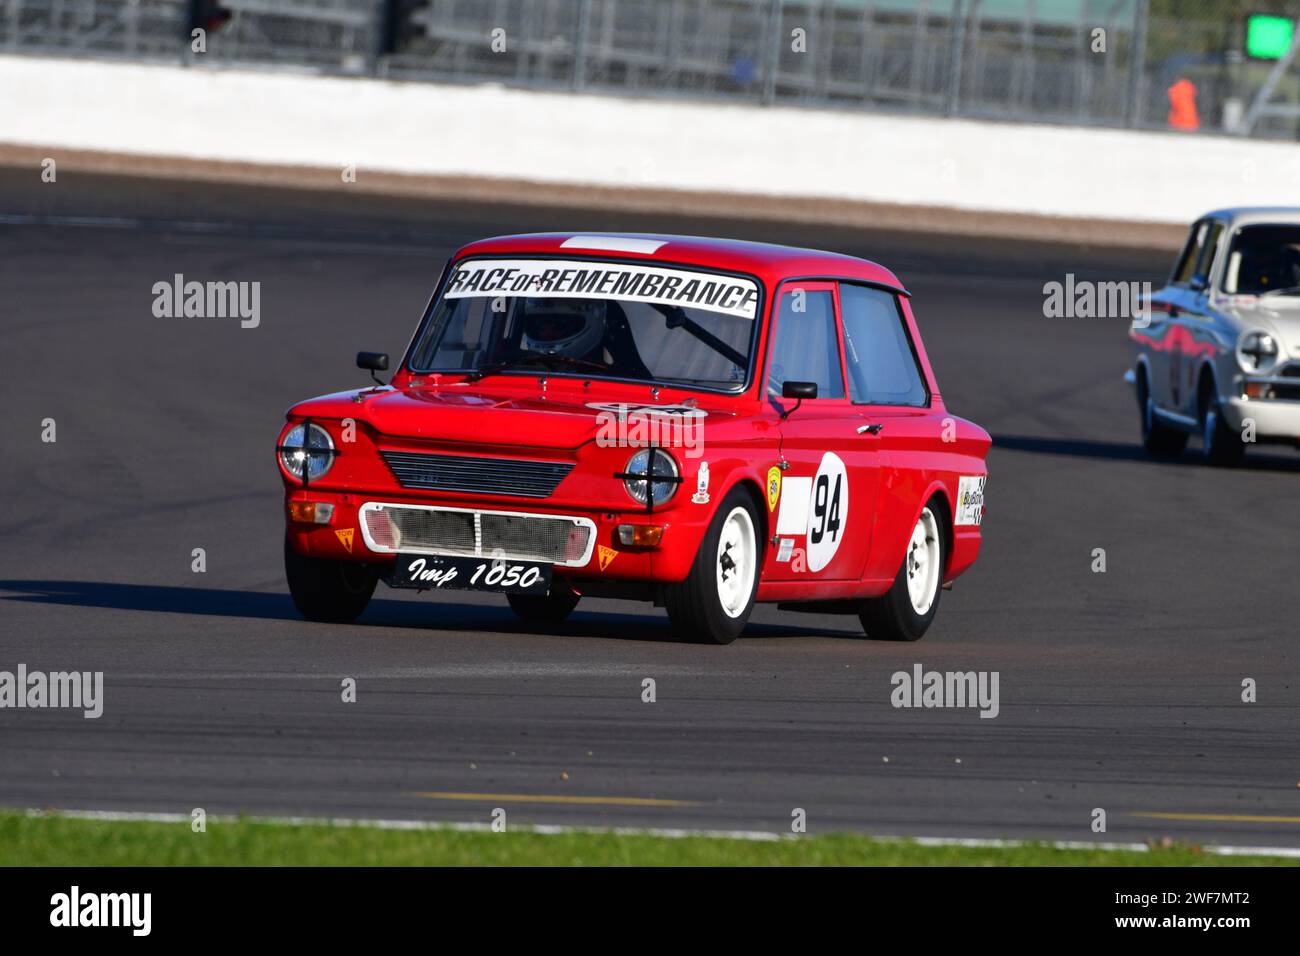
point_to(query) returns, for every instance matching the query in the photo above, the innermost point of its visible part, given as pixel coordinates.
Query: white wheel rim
(922, 563)
(736, 562)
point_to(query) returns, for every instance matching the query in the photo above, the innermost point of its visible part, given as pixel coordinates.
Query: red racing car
(701, 423)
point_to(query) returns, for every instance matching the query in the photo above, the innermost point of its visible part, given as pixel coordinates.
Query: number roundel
(828, 512)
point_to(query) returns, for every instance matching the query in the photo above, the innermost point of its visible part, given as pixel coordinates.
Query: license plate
(470, 574)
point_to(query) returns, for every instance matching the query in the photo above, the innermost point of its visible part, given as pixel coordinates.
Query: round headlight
(664, 467)
(1257, 351)
(307, 449)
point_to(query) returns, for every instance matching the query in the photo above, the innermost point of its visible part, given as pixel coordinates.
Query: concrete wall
(557, 138)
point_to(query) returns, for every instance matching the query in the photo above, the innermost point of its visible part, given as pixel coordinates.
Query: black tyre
(327, 590)
(713, 604)
(1159, 440)
(551, 608)
(905, 611)
(1223, 446)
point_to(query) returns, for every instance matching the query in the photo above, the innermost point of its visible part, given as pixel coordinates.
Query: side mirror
(374, 362)
(799, 391)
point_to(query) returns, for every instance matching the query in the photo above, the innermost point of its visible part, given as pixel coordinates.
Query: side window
(1186, 267)
(882, 366)
(1213, 234)
(804, 346)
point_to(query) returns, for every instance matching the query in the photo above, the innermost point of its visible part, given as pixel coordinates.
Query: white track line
(542, 828)
(763, 836)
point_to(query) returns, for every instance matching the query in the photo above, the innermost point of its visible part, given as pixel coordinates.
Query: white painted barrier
(559, 138)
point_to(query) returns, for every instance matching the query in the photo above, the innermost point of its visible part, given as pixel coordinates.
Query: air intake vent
(519, 477)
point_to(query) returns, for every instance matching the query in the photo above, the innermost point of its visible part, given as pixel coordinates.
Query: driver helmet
(571, 327)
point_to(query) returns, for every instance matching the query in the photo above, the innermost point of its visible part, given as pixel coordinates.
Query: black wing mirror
(799, 391)
(374, 362)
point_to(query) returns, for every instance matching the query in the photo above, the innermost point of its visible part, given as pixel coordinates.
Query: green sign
(1268, 38)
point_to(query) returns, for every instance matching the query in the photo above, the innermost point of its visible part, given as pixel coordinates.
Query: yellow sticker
(345, 535)
(606, 556)
(773, 487)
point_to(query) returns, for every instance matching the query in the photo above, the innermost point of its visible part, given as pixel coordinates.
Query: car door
(887, 389)
(822, 490)
(1163, 339)
(1192, 326)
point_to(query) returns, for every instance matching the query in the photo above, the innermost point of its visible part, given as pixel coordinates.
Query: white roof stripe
(614, 244)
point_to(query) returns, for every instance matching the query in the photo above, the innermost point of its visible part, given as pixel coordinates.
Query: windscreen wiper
(544, 359)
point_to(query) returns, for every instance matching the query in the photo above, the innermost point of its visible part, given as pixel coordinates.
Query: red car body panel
(919, 454)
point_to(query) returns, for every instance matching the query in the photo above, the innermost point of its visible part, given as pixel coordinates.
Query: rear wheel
(1158, 439)
(551, 608)
(904, 612)
(327, 590)
(713, 604)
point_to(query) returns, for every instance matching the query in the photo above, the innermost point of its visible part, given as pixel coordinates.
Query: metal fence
(1103, 62)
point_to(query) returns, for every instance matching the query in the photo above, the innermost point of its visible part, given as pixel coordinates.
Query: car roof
(1243, 215)
(769, 262)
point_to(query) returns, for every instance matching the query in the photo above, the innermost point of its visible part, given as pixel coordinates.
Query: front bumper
(350, 536)
(1275, 419)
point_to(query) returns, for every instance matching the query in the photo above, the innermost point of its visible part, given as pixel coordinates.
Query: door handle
(873, 428)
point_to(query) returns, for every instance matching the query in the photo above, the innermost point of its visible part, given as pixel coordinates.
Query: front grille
(420, 529)
(521, 477)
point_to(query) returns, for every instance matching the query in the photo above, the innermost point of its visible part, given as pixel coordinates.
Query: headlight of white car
(1256, 351)
(664, 467)
(308, 449)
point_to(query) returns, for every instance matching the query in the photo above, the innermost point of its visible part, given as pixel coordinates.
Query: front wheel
(1223, 446)
(324, 589)
(714, 602)
(905, 611)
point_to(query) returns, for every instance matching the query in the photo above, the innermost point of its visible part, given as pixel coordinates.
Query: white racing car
(1220, 353)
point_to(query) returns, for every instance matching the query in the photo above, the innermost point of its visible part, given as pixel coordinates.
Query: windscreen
(1264, 259)
(592, 318)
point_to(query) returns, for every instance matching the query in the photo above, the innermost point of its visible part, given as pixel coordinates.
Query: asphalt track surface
(1119, 690)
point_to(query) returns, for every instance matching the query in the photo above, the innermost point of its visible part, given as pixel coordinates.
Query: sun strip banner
(579, 279)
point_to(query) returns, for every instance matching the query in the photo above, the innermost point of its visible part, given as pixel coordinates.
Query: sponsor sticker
(773, 487)
(786, 549)
(970, 499)
(701, 496)
(587, 279)
(793, 516)
(345, 537)
(605, 556)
